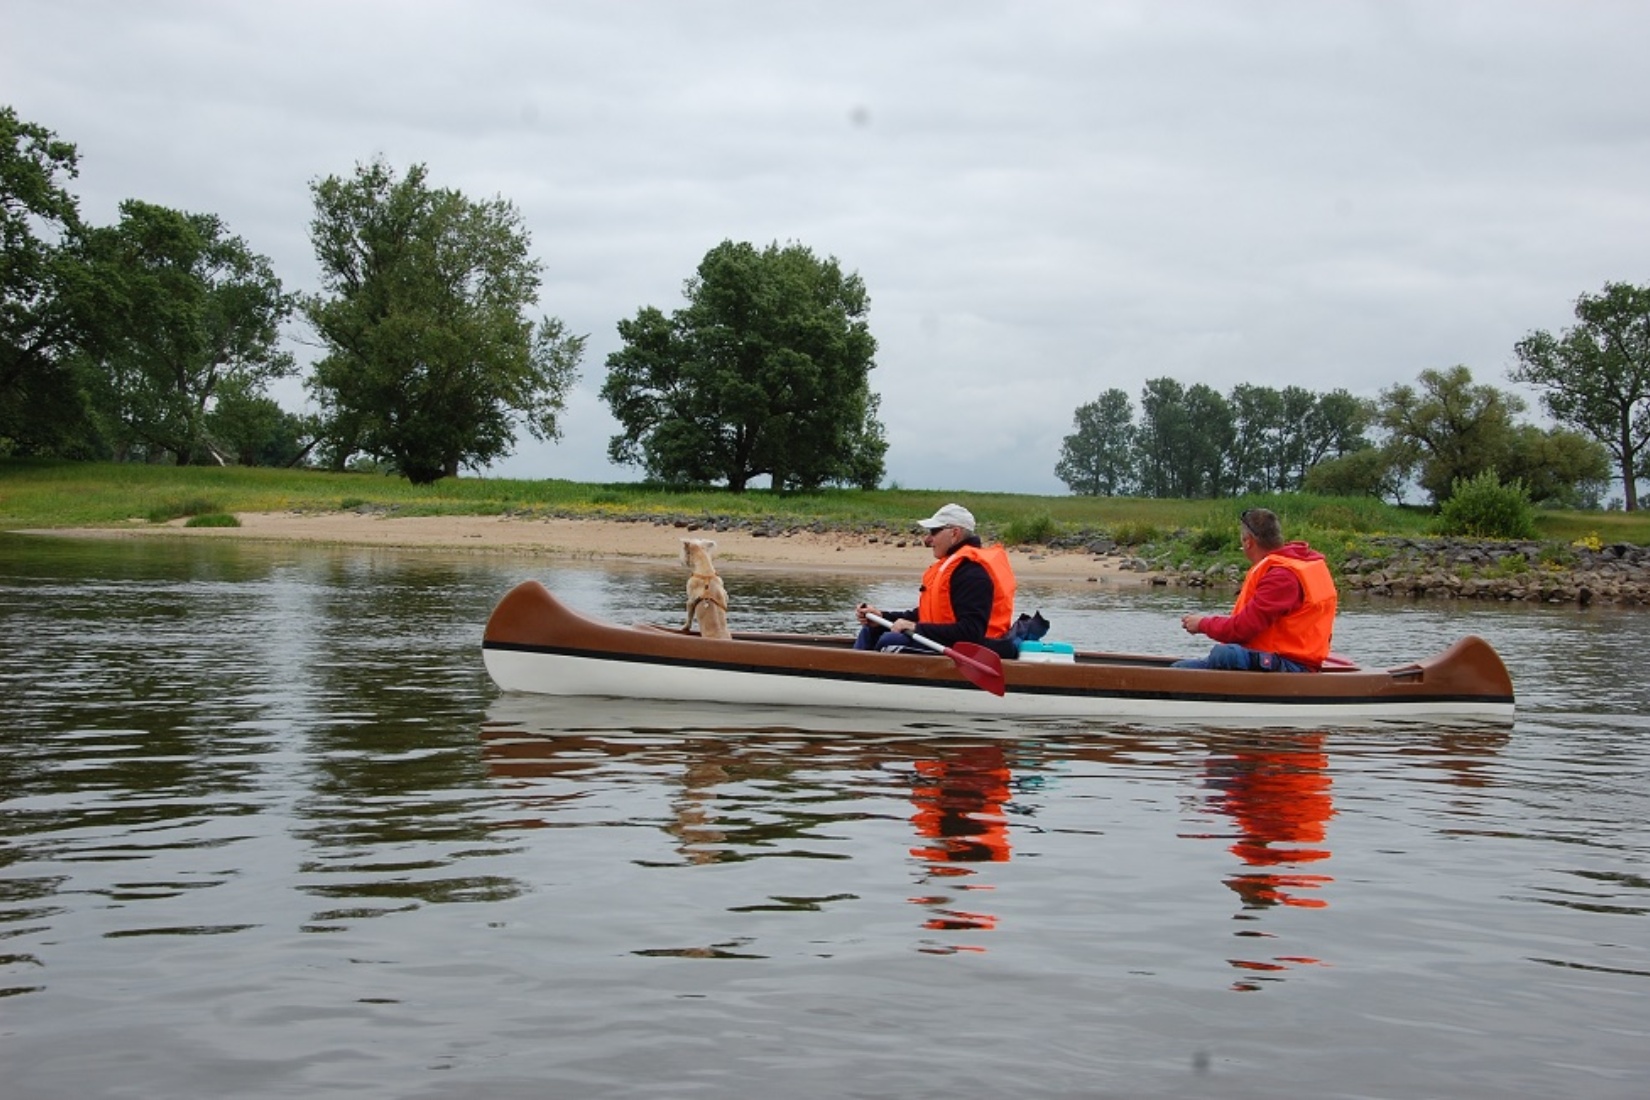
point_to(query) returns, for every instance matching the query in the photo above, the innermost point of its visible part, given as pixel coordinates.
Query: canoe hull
(535, 644)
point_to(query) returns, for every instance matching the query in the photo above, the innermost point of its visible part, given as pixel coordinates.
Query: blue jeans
(1232, 657)
(876, 637)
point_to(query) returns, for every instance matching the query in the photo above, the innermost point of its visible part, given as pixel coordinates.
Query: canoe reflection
(740, 786)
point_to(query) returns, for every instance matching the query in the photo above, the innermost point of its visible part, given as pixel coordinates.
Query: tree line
(1442, 431)
(157, 338)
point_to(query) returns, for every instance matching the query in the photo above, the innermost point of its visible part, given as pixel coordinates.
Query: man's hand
(1193, 624)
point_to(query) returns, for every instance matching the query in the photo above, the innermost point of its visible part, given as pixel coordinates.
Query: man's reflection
(1278, 794)
(961, 800)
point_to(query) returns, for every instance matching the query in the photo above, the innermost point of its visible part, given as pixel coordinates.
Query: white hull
(560, 674)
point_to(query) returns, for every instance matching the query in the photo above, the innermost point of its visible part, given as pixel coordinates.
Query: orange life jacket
(1303, 635)
(934, 604)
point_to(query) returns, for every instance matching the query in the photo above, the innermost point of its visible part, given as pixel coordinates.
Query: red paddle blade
(982, 667)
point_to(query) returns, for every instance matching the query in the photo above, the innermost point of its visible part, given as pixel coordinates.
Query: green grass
(60, 494)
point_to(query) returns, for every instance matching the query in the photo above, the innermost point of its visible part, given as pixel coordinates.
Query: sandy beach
(596, 540)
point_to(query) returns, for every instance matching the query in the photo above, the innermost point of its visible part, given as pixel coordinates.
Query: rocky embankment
(1470, 569)
(1439, 568)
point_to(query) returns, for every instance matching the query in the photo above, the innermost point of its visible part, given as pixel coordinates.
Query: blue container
(1047, 651)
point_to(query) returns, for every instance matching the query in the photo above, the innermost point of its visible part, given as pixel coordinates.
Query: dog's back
(707, 599)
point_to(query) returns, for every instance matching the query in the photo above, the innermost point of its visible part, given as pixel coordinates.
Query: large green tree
(1257, 422)
(1336, 426)
(1184, 435)
(1559, 466)
(183, 309)
(1448, 428)
(42, 408)
(1097, 459)
(1596, 375)
(252, 429)
(431, 361)
(765, 371)
(1163, 438)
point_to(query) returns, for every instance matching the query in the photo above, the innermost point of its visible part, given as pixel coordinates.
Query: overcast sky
(1045, 200)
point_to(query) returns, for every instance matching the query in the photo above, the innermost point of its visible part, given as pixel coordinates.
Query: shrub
(1135, 533)
(168, 510)
(213, 519)
(1482, 507)
(1038, 529)
(1212, 540)
(1556, 557)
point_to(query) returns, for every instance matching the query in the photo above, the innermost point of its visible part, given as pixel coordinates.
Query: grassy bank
(39, 494)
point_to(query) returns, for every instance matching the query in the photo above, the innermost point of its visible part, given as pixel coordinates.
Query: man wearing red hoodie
(1285, 612)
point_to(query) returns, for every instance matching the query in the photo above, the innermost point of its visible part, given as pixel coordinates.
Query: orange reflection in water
(961, 802)
(1278, 795)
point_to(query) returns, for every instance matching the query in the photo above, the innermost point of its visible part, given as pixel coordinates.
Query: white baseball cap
(952, 515)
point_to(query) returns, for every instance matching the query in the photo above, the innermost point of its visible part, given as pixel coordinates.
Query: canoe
(535, 644)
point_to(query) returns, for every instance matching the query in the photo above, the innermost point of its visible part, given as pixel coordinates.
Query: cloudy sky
(1046, 200)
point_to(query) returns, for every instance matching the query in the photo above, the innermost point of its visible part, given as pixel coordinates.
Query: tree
(1292, 452)
(42, 408)
(765, 371)
(1257, 421)
(1209, 438)
(253, 430)
(1449, 428)
(1184, 436)
(431, 363)
(1367, 472)
(1558, 466)
(183, 310)
(1336, 425)
(1098, 458)
(1597, 375)
(1164, 437)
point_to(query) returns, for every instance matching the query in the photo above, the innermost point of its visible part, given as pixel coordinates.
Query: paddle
(983, 668)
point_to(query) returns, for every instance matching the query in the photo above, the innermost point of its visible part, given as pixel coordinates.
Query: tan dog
(707, 599)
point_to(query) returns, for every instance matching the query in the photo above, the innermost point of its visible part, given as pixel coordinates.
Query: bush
(1135, 533)
(1556, 557)
(1031, 530)
(1210, 540)
(168, 510)
(213, 519)
(1482, 507)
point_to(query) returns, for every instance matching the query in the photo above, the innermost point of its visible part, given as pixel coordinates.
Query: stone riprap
(1470, 569)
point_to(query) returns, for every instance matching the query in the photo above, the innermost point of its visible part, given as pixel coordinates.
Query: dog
(707, 600)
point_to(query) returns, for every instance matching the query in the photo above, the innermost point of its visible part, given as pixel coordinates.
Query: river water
(267, 830)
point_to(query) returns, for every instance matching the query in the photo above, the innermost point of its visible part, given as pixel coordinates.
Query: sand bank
(596, 540)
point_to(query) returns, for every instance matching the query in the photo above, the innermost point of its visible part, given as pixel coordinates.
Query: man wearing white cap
(967, 595)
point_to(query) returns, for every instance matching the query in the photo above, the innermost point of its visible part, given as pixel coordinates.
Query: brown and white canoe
(535, 644)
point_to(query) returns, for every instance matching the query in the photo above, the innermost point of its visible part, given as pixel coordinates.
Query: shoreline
(614, 540)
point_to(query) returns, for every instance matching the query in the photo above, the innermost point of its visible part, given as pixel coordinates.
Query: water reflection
(1278, 796)
(729, 787)
(1277, 793)
(961, 795)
